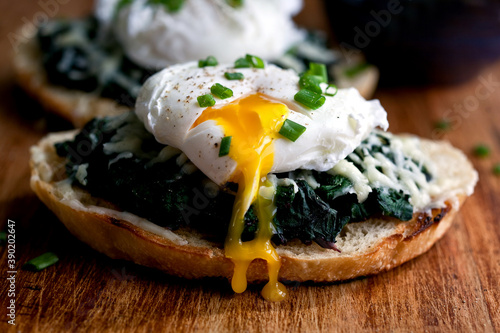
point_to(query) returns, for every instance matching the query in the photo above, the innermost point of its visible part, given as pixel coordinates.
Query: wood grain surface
(454, 287)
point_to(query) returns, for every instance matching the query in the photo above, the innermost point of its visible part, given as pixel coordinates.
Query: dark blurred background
(417, 42)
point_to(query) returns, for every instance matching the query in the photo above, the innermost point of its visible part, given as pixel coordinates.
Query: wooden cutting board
(453, 287)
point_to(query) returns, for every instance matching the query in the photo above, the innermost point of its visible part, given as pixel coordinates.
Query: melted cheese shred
(253, 122)
(403, 173)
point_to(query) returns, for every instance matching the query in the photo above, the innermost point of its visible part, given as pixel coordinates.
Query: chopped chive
(220, 91)
(291, 130)
(234, 76)
(481, 150)
(496, 169)
(254, 61)
(310, 82)
(310, 99)
(241, 63)
(206, 100)
(170, 5)
(41, 262)
(443, 124)
(235, 3)
(328, 91)
(225, 144)
(319, 70)
(3, 237)
(210, 61)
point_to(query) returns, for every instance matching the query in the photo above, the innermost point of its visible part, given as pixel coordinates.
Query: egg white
(167, 104)
(154, 38)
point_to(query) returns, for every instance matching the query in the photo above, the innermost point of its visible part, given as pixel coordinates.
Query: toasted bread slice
(76, 106)
(366, 247)
(80, 107)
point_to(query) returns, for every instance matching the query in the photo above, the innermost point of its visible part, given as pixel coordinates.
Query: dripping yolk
(253, 122)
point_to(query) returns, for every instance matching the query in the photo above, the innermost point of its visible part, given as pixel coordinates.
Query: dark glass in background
(420, 41)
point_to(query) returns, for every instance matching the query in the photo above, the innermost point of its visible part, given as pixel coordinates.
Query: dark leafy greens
(173, 194)
(77, 55)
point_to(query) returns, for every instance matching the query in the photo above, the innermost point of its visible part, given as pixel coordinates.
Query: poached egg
(260, 104)
(154, 37)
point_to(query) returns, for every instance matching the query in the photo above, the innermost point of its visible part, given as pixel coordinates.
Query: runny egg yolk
(253, 122)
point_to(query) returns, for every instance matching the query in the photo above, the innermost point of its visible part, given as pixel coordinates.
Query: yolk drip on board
(253, 122)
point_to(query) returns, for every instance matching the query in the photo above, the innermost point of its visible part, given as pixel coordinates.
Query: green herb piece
(310, 82)
(496, 169)
(443, 124)
(310, 99)
(171, 6)
(291, 130)
(330, 93)
(3, 237)
(225, 144)
(41, 262)
(234, 76)
(242, 63)
(210, 61)
(206, 100)
(254, 61)
(355, 70)
(481, 150)
(220, 91)
(235, 3)
(318, 70)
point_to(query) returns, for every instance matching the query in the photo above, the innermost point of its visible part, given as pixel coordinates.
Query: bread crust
(80, 107)
(185, 253)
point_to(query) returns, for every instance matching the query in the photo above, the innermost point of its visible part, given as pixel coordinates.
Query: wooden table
(453, 287)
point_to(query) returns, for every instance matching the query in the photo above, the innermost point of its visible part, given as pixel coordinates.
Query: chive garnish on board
(291, 130)
(220, 91)
(206, 100)
(481, 150)
(209, 61)
(39, 263)
(443, 124)
(225, 144)
(234, 76)
(496, 169)
(310, 98)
